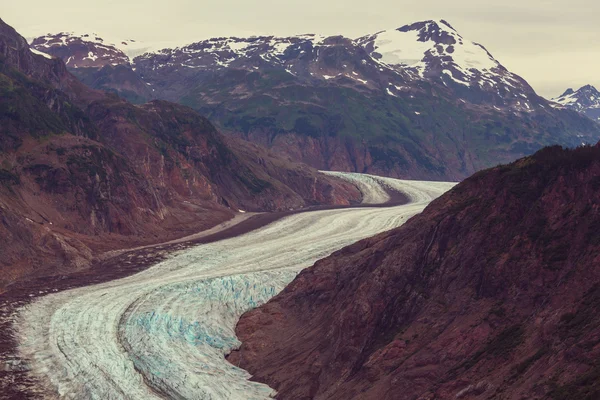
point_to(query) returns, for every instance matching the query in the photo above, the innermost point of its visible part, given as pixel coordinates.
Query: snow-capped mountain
(419, 101)
(306, 59)
(434, 50)
(78, 51)
(389, 60)
(586, 100)
(81, 50)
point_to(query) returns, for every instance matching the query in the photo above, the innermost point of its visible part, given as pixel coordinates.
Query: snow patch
(40, 53)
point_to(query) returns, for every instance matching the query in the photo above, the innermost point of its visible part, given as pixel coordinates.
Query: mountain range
(585, 100)
(419, 101)
(83, 172)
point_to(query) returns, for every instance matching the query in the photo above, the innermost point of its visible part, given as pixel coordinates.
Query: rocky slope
(492, 292)
(585, 100)
(83, 171)
(419, 101)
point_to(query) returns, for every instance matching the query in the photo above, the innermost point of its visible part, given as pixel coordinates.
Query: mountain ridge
(226, 49)
(332, 102)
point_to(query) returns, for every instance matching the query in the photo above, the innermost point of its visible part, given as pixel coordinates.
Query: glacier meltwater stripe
(164, 332)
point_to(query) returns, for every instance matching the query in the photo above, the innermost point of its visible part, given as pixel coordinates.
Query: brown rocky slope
(82, 171)
(493, 292)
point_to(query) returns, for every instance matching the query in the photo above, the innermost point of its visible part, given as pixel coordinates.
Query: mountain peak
(587, 92)
(410, 44)
(588, 86)
(427, 25)
(585, 100)
(439, 23)
(435, 50)
(567, 92)
(439, 31)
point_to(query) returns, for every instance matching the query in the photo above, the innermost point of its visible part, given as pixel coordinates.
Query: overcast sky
(553, 44)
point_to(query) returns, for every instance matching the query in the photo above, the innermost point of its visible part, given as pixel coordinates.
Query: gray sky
(552, 44)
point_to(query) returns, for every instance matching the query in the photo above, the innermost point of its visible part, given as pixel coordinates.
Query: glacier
(164, 332)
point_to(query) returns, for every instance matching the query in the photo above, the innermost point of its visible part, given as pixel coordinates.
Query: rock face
(492, 292)
(83, 171)
(419, 101)
(586, 100)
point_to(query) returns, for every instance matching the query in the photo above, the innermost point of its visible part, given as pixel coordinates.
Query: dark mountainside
(372, 104)
(82, 171)
(493, 292)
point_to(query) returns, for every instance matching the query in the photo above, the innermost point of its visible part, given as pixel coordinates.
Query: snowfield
(164, 332)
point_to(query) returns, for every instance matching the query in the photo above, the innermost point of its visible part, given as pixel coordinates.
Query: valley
(166, 330)
(390, 215)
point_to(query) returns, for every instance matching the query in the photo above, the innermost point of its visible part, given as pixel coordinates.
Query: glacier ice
(164, 332)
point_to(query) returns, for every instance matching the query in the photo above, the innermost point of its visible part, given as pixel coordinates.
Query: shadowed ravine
(164, 332)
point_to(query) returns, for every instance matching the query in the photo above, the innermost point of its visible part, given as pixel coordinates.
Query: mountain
(492, 292)
(586, 100)
(435, 51)
(98, 62)
(83, 51)
(419, 101)
(83, 171)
